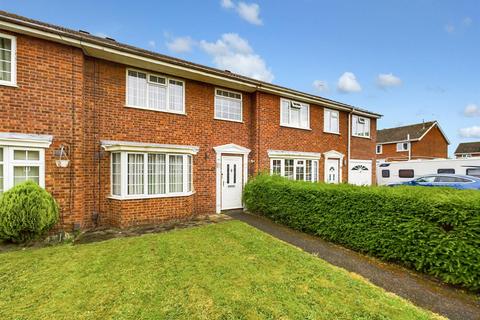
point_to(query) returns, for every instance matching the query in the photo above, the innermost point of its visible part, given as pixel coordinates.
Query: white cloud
(250, 12)
(232, 52)
(450, 28)
(227, 4)
(470, 132)
(467, 21)
(152, 44)
(348, 83)
(472, 110)
(386, 80)
(180, 45)
(247, 11)
(320, 85)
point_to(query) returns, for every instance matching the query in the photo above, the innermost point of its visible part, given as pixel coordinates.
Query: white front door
(232, 182)
(331, 171)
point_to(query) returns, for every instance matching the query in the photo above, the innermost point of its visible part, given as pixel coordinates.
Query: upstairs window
(360, 127)
(155, 92)
(294, 114)
(7, 60)
(228, 105)
(331, 121)
(403, 146)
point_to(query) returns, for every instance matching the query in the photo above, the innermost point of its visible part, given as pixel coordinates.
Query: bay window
(360, 126)
(294, 114)
(19, 164)
(145, 174)
(295, 169)
(155, 92)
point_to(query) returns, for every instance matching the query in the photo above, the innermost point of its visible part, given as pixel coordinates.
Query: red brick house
(424, 140)
(468, 150)
(150, 137)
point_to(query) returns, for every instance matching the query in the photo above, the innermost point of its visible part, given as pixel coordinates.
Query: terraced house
(123, 136)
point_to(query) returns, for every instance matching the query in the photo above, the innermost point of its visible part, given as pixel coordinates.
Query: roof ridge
(410, 125)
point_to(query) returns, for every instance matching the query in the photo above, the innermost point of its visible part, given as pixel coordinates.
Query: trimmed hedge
(432, 230)
(26, 212)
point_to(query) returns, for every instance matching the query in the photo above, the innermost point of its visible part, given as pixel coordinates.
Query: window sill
(292, 127)
(182, 113)
(229, 120)
(331, 132)
(8, 84)
(363, 137)
(145, 197)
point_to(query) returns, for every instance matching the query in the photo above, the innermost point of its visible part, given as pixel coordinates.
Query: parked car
(443, 180)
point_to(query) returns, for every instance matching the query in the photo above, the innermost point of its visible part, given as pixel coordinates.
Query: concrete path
(419, 289)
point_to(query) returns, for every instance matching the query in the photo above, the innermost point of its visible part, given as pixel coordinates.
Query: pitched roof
(416, 131)
(468, 147)
(85, 37)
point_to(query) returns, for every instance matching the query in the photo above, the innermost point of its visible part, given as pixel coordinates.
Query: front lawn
(227, 270)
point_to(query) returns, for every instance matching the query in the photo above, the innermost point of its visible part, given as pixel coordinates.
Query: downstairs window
(145, 175)
(295, 169)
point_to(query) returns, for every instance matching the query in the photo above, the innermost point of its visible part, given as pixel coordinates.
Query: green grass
(223, 271)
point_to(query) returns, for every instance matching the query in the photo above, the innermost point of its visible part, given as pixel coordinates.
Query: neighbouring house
(424, 140)
(468, 150)
(123, 136)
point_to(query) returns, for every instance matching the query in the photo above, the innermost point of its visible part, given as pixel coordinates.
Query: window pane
(116, 174)
(5, 44)
(406, 173)
(277, 167)
(304, 116)
(228, 108)
(5, 76)
(1, 154)
(189, 174)
(315, 171)
(175, 91)
(289, 168)
(473, 172)
(300, 170)
(20, 155)
(24, 173)
(176, 173)
(295, 117)
(157, 97)
(285, 111)
(135, 174)
(156, 174)
(1, 178)
(137, 88)
(308, 170)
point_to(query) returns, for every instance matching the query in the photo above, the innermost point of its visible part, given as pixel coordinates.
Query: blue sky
(408, 60)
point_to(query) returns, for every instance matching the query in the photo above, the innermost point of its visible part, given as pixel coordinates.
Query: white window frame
(400, 147)
(288, 124)
(378, 149)
(228, 98)
(367, 124)
(13, 63)
(327, 122)
(145, 195)
(296, 165)
(167, 94)
(9, 163)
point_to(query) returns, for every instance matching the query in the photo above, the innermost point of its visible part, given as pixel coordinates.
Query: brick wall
(81, 100)
(433, 145)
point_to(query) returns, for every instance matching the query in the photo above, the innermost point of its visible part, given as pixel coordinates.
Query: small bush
(432, 230)
(26, 212)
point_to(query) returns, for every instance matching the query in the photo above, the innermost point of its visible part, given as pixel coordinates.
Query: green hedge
(26, 212)
(433, 230)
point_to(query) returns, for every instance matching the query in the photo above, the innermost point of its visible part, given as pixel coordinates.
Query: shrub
(26, 212)
(432, 230)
